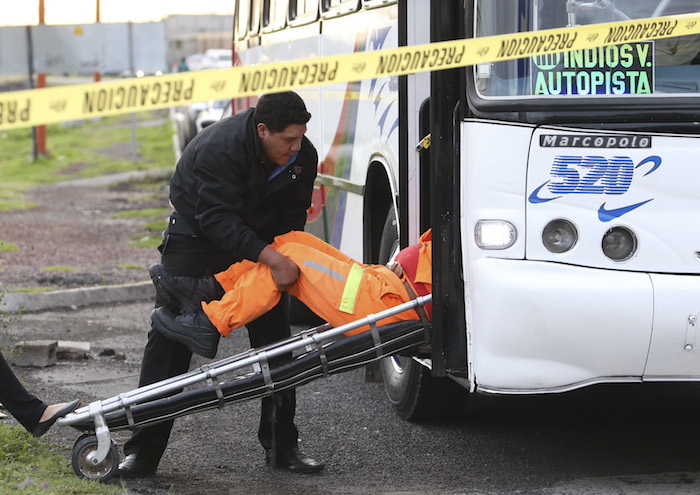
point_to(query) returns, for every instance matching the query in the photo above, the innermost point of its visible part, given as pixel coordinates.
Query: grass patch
(33, 290)
(7, 247)
(147, 197)
(88, 149)
(147, 242)
(126, 266)
(157, 225)
(58, 268)
(6, 205)
(143, 213)
(33, 466)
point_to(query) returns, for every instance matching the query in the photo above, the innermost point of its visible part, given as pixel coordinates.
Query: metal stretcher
(311, 354)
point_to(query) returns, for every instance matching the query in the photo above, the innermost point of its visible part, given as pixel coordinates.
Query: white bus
(562, 191)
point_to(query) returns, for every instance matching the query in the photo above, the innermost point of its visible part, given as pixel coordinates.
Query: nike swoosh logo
(605, 215)
(656, 160)
(534, 198)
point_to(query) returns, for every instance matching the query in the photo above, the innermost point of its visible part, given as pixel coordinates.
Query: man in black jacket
(238, 184)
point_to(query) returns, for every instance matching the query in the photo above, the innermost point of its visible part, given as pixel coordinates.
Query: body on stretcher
(315, 353)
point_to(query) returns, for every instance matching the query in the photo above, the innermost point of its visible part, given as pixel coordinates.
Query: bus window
(661, 67)
(254, 19)
(370, 4)
(302, 12)
(241, 21)
(334, 8)
(274, 15)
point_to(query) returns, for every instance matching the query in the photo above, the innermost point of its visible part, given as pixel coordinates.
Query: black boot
(193, 330)
(134, 466)
(292, 459)
(186, 292)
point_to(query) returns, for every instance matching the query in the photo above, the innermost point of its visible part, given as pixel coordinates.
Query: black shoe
(134, 467)
(193, 330)
(293, 460)
(185, 292)
(44, 426)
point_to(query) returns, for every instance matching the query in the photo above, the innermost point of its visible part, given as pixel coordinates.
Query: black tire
(415, 394)
(389, 243)
(404, 379)
(83, 468)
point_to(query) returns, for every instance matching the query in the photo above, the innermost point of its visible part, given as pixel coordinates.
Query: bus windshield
(664, 67)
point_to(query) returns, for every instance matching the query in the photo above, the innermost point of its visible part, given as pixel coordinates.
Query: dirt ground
(74, 227)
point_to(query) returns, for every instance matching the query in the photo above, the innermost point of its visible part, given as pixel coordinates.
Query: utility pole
(30, 65)
(97, 74)
(132, 67)
(41, 83)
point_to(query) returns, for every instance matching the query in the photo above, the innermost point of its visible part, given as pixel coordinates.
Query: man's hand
(284, 271)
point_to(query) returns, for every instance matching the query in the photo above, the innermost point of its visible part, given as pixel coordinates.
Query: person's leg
(277, 432)
(24, 407)
(164, 358)
(340, 290)
(310, 241)
(250, 293)
(272, 327)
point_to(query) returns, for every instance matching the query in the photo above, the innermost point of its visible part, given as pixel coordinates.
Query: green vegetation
(6, 205)
(7, 247)
(85, 149)
(127, 266)
(6, 319)
(157, 225)
(143, 213)
(146, 197)
(33, 290)
(147, 242)
(34, 466)
(58, 268)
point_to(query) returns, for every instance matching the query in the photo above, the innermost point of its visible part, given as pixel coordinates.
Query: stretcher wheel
(83, 468)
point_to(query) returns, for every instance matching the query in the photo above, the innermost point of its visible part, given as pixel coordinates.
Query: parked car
(185, 120)
(213, 113)
(217, 58)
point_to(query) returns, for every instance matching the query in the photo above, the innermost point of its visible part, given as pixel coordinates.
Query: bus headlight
(494, 234)
(619, 244)
(559, 236)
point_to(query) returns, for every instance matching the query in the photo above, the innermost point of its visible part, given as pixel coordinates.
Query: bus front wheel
(410, 388)
(409, 385)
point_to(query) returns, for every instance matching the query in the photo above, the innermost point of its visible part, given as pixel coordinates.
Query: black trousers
(23, 406)
(193, 256)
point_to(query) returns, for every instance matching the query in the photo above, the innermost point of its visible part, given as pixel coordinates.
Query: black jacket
(220, 188)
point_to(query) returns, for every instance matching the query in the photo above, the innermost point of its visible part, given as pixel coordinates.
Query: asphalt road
(603, 440)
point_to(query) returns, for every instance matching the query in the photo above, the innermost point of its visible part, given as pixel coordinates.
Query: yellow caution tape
(83, 101)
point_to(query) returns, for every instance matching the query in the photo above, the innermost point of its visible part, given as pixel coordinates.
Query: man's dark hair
(278, 110)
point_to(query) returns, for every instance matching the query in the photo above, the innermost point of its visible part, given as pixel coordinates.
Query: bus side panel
(364, 123)
(675, 339)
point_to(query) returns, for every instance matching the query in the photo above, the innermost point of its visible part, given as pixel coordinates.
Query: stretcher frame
(275, 367)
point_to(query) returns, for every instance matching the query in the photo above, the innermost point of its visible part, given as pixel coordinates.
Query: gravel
(73, 228)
